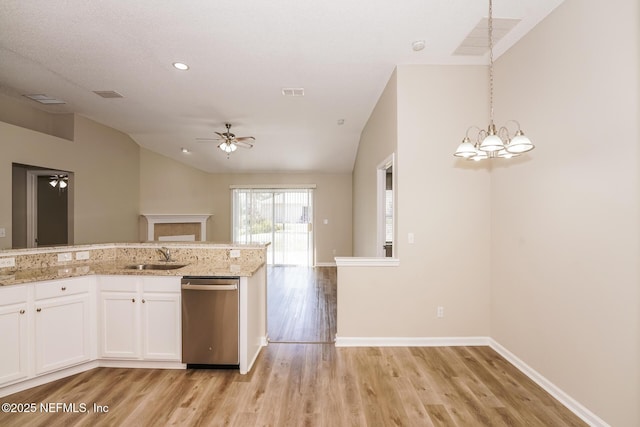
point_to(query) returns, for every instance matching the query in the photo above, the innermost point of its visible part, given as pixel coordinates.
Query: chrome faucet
(165, 253)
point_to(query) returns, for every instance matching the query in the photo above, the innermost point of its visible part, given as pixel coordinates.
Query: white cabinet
(119, 317)
(161, 331)
(63, 323)
(140, 318)
(45, 327)
(14, 334)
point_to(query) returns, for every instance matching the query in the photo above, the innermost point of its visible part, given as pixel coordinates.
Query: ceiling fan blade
(243, 144)
(245, 138)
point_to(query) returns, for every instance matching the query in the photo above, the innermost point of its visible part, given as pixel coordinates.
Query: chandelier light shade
(493, 143)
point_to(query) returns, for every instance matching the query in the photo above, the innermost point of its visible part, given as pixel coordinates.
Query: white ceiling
(241, 53)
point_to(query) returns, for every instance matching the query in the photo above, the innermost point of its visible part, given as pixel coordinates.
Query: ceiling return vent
(44, 99)
(477, 42)
(108, 94)
(293, 91)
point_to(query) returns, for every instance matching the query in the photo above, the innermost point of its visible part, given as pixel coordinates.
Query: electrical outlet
(411, 238)
(440, 312)
(3, 232)
(7, 262)
(234, 253)
(64, 257)
(82, 255)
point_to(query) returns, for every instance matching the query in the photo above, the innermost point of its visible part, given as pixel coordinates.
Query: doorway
(386, 189)
(42, 206)
(281, 216)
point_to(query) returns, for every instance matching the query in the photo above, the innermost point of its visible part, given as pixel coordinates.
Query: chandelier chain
(493, 143)
(490, 24)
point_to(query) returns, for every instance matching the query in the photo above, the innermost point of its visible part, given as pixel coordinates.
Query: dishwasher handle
(189, 286)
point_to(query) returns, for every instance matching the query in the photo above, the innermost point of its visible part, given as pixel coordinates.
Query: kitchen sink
(154, 266)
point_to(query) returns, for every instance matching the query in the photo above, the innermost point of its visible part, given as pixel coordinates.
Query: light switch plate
(3, 232)
(65, 256)
(7, 262)
(234, 253)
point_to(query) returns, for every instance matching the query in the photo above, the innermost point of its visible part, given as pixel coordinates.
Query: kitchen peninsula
(64, 310)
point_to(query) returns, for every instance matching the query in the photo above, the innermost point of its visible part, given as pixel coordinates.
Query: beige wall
(565, 249)
(170, 187)
(445, 203)
(167, 186)
(377, 142)
(332, 200)
(105, 163)
(23, 115)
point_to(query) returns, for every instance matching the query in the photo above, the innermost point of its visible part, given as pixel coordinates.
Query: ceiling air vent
(45, 99)
(108, 93)
(477, 42)
(293, 91)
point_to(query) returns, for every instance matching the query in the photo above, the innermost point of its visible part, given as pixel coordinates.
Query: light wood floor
(301, 304)
(309, 385)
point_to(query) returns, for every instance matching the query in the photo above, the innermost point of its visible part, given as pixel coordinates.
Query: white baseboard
(264, 341)
(141, 364)
(573, 405)
(325, 264)
(410, 341)
(46, 378)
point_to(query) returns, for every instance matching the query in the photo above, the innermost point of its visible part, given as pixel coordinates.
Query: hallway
(301, 304)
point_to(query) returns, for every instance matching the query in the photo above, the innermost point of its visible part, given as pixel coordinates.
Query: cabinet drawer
(60, 288)
(13, 294)
(161, 284)
(119, 283)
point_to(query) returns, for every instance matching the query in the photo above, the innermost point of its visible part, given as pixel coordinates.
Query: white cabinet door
(140, 318)
(119, 324)
(13, 342)
(161, 331)
(62, 328)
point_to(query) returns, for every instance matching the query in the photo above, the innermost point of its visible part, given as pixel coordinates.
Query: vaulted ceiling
(241, 54)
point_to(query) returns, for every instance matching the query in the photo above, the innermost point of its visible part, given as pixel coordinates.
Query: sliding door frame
(276, 189)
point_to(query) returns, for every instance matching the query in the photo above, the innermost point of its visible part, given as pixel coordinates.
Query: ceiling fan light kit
(230, 142)
(493, 143)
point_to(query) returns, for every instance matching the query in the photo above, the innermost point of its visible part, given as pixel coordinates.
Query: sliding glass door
(281, 216)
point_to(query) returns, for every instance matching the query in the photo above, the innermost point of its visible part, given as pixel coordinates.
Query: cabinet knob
(22, 311)
(143, 301)
(64, 288)
(38, 310)
(133, 300)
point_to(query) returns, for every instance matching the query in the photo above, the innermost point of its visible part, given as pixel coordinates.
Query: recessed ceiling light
(418, 45)
(340, 122)
(184, 150)
(181, 66)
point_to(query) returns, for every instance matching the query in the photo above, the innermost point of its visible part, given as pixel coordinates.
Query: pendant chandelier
(492, 143)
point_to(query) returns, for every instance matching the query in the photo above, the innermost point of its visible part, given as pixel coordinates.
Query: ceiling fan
(230, 142)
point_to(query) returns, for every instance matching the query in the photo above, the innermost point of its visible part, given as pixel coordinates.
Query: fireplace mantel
(153, 219)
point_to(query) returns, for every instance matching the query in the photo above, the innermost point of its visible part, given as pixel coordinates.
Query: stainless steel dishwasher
(210, 320)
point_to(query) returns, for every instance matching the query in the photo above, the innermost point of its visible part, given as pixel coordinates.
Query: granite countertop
(228, 269)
